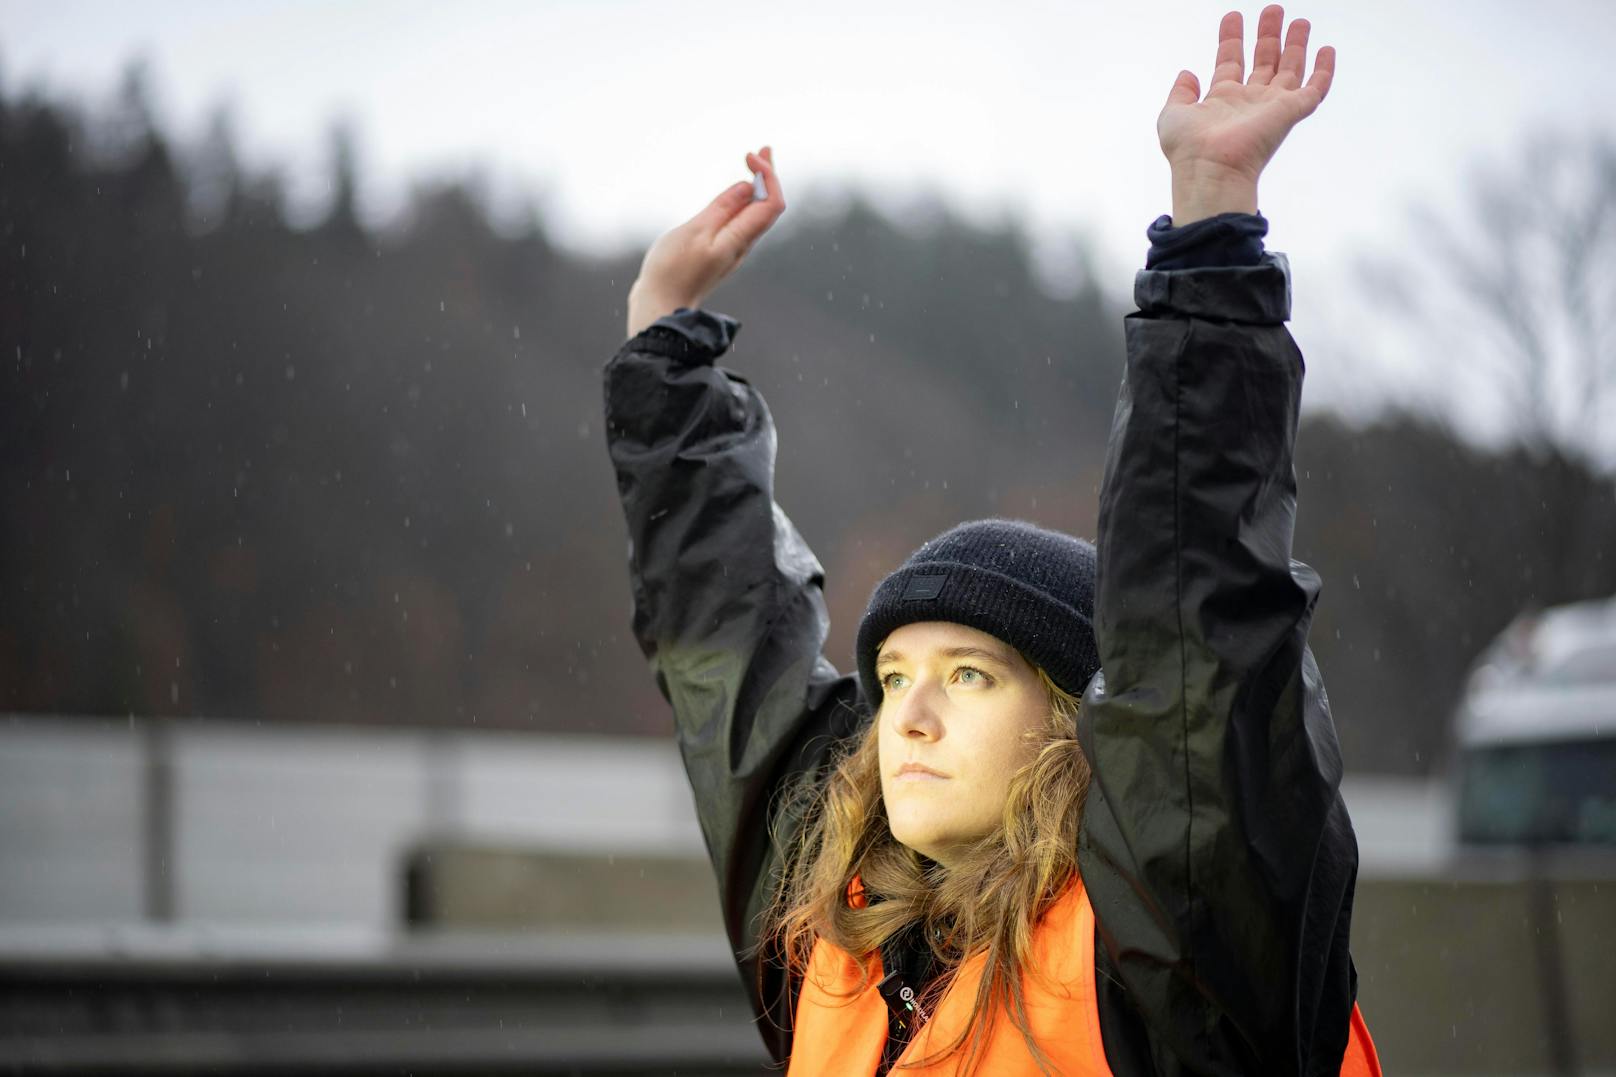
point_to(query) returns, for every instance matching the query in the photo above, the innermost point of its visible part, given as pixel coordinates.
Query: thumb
(720, 210)
(1186, 89)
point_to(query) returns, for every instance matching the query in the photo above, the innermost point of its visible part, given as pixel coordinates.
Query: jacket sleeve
(728, 609)
(1216, 849)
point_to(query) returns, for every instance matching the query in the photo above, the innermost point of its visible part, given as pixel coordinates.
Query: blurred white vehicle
(1537, 732)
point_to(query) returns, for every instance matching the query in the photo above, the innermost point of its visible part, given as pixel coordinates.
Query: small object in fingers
(760, 192)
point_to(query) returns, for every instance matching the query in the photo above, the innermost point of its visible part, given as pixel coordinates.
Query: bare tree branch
(1521, 283)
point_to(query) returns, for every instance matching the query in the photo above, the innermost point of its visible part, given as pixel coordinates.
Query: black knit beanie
(1031, 588)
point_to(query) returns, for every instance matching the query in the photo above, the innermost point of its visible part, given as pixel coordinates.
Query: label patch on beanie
(922, 588)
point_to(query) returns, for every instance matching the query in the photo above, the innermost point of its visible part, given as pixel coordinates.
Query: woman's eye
(973, 677)
(893, 681)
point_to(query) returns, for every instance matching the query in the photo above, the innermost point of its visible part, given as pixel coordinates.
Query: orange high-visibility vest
(839, 1033)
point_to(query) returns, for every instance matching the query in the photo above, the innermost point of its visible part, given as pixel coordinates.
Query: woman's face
(956, 707)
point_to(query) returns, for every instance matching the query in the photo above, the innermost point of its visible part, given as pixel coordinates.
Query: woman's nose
(915, 714)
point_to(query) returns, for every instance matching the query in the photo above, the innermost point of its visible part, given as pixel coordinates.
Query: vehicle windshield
(1562, 792)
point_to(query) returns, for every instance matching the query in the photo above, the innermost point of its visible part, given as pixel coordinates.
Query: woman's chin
(923, 836)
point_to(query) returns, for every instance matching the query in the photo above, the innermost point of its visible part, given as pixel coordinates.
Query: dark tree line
(345, 474)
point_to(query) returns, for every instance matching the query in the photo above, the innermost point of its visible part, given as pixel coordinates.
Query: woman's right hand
(686, 263)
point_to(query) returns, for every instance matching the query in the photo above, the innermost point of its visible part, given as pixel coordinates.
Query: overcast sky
(625, 117)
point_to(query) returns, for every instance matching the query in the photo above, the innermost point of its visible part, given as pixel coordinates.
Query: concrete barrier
(1484, 972)
(1459, 975)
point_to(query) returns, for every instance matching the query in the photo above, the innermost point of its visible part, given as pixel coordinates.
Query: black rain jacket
(1215, 846)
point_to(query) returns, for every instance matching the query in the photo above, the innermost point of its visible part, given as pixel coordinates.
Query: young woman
(1077, 810)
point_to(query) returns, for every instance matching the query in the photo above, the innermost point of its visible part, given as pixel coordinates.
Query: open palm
(1242, 120)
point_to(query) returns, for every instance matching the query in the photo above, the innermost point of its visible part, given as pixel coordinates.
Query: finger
(768, 155)
(1265, 56)
(735, 198)
(1231, 61)
(1323, 71)
(763, 162)
(730, 201)
(1294, 59)
(745, 227)
(1186, 89)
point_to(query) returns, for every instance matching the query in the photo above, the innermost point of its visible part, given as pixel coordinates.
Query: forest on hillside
(337, 473)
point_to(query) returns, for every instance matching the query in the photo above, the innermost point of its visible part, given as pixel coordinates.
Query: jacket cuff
(1227, 239)
(1259, 294)
(692, 335)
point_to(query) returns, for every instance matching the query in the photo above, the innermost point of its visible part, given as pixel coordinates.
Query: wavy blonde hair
(987, 903)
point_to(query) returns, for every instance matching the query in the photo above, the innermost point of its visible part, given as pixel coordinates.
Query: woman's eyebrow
(888, 657)
(975, 652)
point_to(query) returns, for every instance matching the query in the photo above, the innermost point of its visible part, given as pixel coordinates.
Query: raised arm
(727, 596)
(1216, 849)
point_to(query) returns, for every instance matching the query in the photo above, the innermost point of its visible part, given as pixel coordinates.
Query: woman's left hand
(1218, 146)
